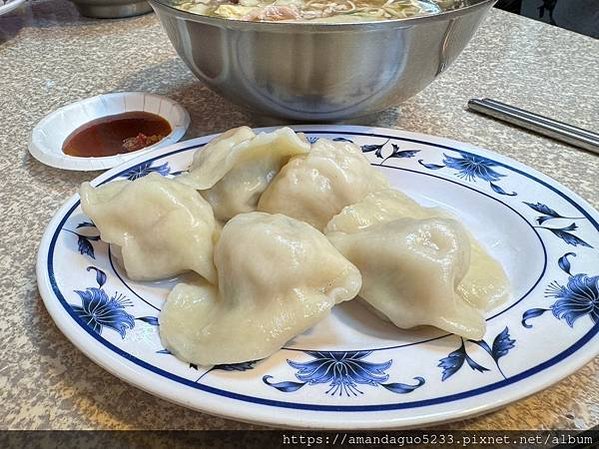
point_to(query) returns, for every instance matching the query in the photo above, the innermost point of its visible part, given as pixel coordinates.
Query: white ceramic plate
(7, 6)
(48, 136)
(353, 370)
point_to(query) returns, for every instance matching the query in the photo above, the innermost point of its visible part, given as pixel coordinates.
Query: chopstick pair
(539, 124)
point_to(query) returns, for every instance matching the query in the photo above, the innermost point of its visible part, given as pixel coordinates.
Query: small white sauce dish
(48, 136)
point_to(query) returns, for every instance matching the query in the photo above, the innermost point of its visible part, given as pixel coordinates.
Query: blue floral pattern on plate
(98, 310)
(471, 167)
(565, 233)
(577, 298)
(84, 242)
(145, 168)
(502, 344)
(343, 371)
(397, 152)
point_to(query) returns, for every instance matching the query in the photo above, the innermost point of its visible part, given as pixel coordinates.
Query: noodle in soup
(317, 10)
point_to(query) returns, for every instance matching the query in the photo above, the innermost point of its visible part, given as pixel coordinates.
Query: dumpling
(234, 170)
(410, 272)
(161, 226)
(183, 316)
(212, 163)
(315, 187)
(378, 207)
(277, 277)
(485, 284)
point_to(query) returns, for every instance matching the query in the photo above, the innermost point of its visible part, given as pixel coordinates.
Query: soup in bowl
(324, 11)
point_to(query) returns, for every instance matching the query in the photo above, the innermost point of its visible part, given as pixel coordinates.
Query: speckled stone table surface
(51, 57)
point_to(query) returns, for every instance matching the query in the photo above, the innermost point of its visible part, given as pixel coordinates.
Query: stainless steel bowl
(315, 71)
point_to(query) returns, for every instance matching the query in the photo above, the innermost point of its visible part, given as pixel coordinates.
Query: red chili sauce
(115, 134)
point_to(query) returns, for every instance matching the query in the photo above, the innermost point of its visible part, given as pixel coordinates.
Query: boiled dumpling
(183, 317)
(378, 207)
(234, 170)
(410, 272)
(485, 284)
(212, 163)
(277, 277)
(315, 187)
(162, 227)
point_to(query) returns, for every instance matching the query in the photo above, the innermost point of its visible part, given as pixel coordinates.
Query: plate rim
(567, 365)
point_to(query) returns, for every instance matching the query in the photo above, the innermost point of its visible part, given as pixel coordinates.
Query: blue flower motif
(471, 166)
(566, 235)
(377, 148)
(343, 371)
(396, 153)
(97, 311)
(144, 169)
(546, 211)
(578, 298)
(502, 344)
(84, 245)
(455, 360)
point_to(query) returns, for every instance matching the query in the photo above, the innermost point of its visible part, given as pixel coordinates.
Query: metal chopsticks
(545, 126)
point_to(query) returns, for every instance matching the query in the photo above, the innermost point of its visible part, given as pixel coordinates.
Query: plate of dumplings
(327, 277)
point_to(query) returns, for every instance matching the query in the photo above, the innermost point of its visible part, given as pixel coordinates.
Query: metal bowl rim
(319, 27)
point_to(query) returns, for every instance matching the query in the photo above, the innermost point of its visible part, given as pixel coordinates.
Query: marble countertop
(51, 57)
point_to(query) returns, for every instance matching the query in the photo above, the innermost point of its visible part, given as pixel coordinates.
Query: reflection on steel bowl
(314, 71)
